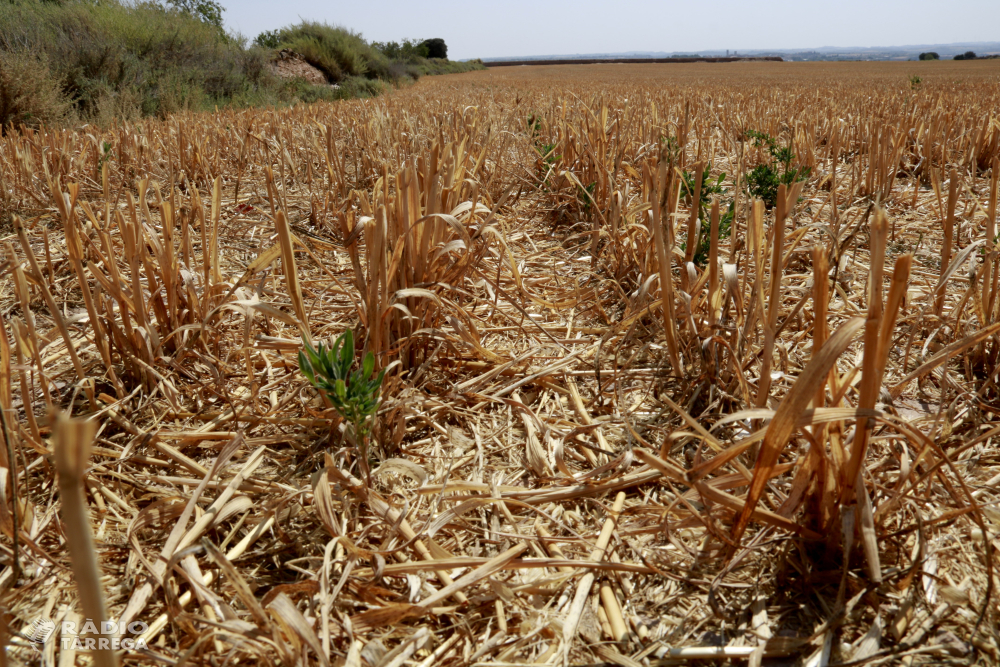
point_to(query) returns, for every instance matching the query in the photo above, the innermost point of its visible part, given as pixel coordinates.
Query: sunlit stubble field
(682, 361)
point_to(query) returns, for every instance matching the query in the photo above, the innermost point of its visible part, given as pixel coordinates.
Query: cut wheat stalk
(516, 237)
(583, 587)
(72, 455)
(949, 234)
(661, 239)
(774, 297)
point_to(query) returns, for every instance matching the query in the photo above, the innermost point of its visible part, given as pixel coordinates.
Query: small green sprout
(709, 189)
(105, 155)
(355, 395)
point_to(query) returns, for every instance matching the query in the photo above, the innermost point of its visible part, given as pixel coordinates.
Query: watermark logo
(89, 635)
(110, 635)
(40, 631)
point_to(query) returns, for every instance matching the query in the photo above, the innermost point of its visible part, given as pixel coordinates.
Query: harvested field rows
(631, 414)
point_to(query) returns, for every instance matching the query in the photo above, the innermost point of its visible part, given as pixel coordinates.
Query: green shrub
(432, 66)
(300, 90)
(342, 54)
(709, 189)
(97, 60)
(337, 51)
(401, 70)
(408, 50)
(28, 93)
(436, 48)
(930, 55)
(359, 86)
(763, 180)
(269, 39)
(207, 11)
(316, 55)
(112, 57)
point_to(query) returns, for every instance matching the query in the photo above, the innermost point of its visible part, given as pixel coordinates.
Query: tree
(968, 55)
(436, 48)
(208, 11)
(410, 50)
(269, 39)
(930, 55)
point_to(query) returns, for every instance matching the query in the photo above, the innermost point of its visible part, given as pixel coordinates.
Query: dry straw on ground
(591, 449)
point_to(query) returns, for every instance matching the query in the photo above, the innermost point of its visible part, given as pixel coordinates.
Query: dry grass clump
(618, 426)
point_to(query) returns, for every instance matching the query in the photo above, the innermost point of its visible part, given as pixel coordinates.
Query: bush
(436, 48)
(337, 51)
(269, 39)
(968, 55)
(763, 180)
(207, 11)
(300, 90)
(437, 66)
(359, 86)
(98, 60)
(400, 70)
(316, 55)
(408, 50)
(708, 190)
(111, 57)
(342, 54)
(930, 55)
(28, 93)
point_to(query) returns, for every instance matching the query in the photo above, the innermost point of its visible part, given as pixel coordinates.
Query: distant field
(634, 61)
(831, 75)
(683, 361)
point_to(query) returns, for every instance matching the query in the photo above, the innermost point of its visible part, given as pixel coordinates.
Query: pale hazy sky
(497, 28)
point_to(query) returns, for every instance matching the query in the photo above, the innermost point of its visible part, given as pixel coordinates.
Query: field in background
(623, 422)
(623, 61)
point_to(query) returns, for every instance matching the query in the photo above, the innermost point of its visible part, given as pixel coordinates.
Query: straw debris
(590, 448)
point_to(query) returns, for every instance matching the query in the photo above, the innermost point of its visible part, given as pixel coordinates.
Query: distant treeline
(598, 61)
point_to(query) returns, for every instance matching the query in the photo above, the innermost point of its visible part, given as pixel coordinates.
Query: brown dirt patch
(291, 65)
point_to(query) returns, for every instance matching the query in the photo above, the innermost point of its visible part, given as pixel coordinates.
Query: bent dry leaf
(783, 424)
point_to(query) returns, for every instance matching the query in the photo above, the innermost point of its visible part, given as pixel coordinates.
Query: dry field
(616, 428)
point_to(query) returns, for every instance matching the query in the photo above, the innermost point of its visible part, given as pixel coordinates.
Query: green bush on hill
(69, 61)
(340, 53)
(109, 59)
(28, 93)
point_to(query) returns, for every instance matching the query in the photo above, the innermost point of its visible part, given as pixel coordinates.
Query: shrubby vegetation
(409, 50)
(709, 190)
(207, 11)
(763, 180)
(105, 60)
(68, 61)
(436, 48)
(968, 55)
(347, 59)
(338, 52)
(930, 55)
